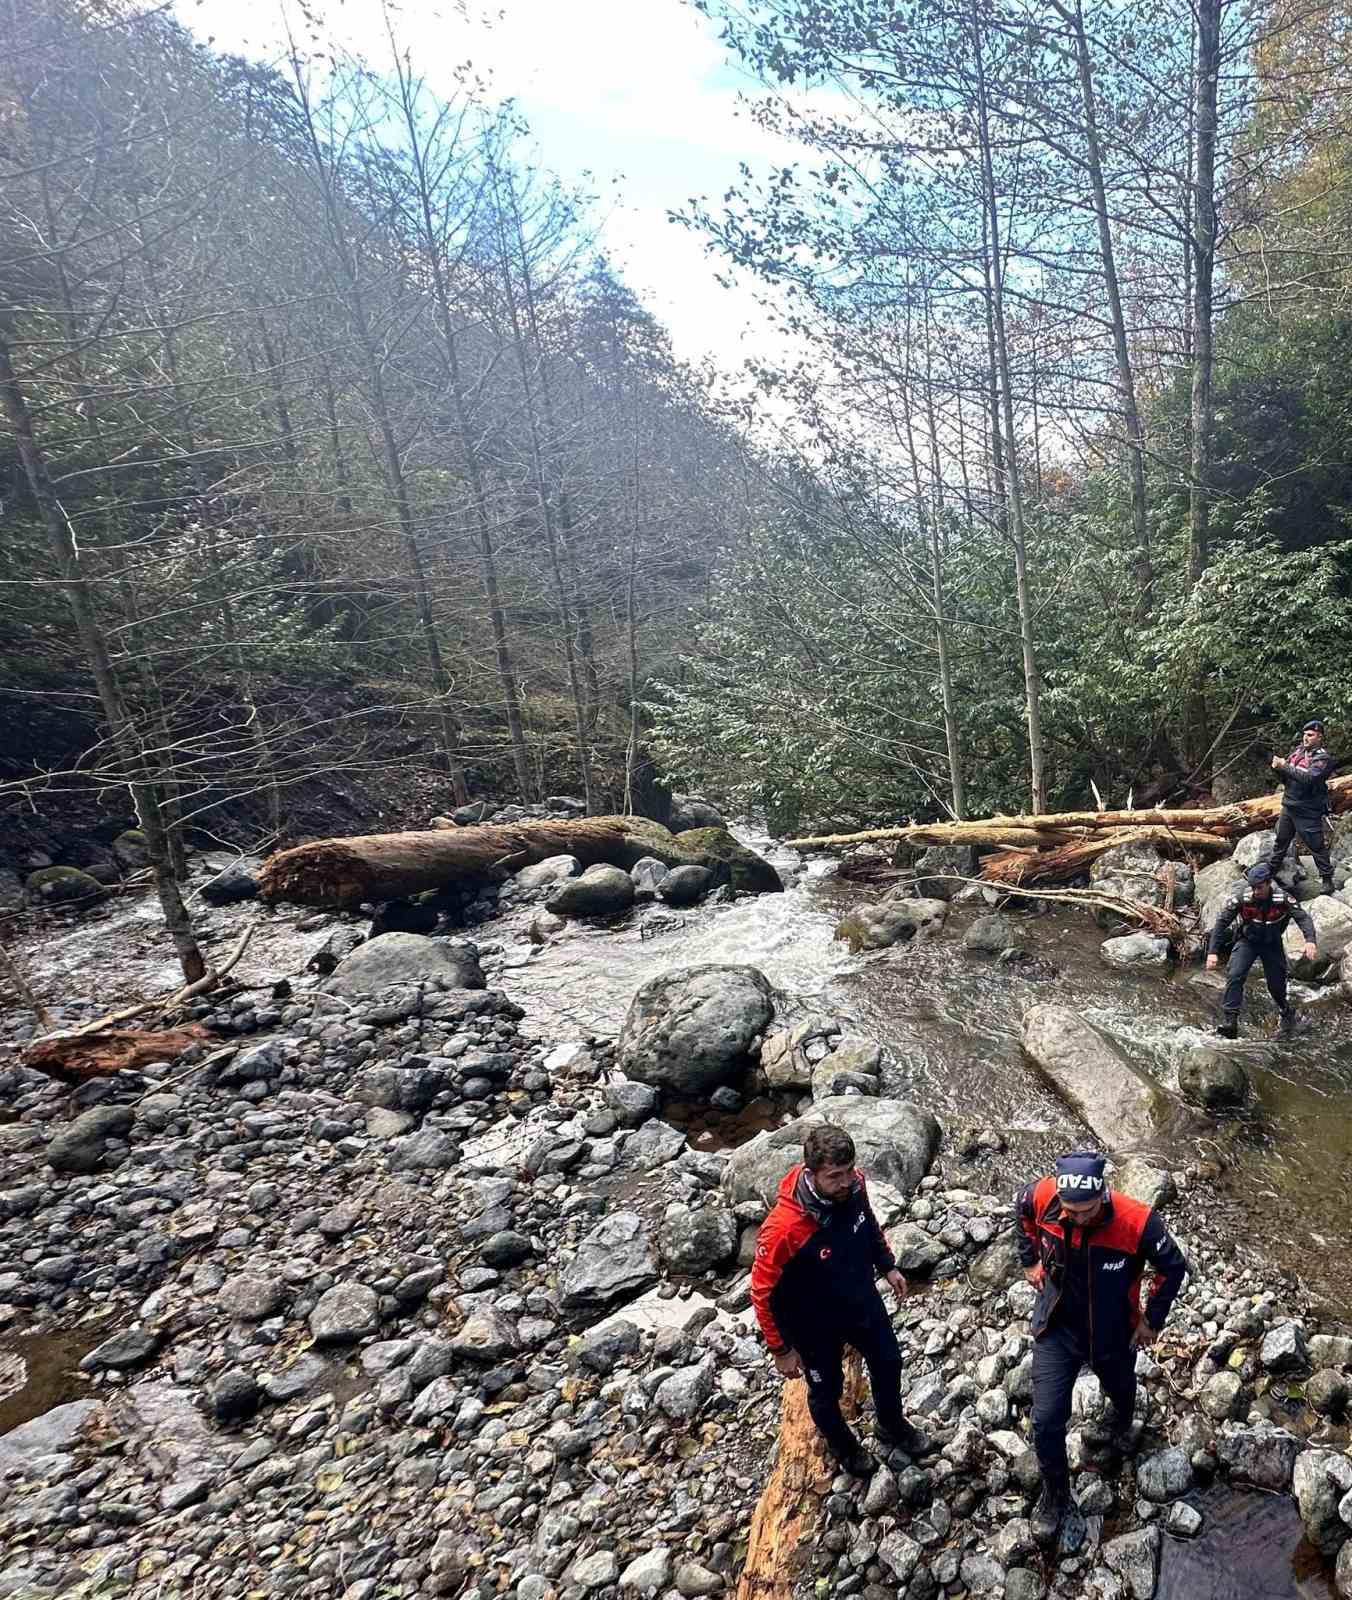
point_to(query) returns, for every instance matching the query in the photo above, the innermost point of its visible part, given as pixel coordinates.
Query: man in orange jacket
(814, 1286)
(1085, 1250)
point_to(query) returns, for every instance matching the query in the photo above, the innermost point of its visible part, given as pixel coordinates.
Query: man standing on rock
(1263, 909)
(814, 1286)
(1085, 1250)
(1305, 802)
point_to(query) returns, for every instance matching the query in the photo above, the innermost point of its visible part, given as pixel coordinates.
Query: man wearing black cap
(1305, 802)
(1263, 908)
(1085, 1250)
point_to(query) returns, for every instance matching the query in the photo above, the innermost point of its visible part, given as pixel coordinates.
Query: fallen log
(1069, 861)
(999, 832)
(74, 1057)
(789, 1510)
(388, 866)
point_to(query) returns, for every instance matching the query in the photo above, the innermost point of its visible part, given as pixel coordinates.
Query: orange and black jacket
(816, 1264)
(1113, 1254)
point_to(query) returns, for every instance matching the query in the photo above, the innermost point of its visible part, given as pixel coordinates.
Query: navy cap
(1314, 722)
(1079, 1176)
(1260, 873)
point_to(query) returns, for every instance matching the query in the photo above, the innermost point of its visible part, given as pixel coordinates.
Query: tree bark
(1202, 235)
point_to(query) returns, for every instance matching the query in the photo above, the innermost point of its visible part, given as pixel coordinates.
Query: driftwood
(387, 866)
(74, 1057)
(1060, 845)
(790, 1508)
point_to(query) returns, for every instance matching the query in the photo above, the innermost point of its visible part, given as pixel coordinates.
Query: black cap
(1314, 722)
(1079, 1176)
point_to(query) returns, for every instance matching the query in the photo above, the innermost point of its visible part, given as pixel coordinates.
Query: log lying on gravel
(74, 1057)
(1059, 845)
(789, 1511)
(387, 866)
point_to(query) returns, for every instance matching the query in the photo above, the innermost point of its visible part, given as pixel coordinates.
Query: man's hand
(788, 1364)
(1144, 1334)
(1277, 763)
(898, 1284)
(1035, 1275)
(1310, 951)
(1212, 962)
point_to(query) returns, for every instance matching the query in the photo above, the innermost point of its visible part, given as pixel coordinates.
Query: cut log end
(73, 1058)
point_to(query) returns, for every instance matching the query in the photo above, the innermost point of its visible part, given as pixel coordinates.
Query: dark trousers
(1057, 1358)
(869, 1331)
(1242, 957)
(1315, 836)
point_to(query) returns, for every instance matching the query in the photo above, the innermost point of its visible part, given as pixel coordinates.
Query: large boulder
(877, 925)
(1320, 1480)
(1213, 887)
(938, 869)
(690, 1030)
(545, 874)
(1212, 1077)
(990, 934)
(405, 958)
(1142, 952)
(1333, 932)
(694, 1241)
(82, 1145)
(1130, 871)
(614, 1262)
(228, 888)
(747, 872)
(1090, 1070)
(789, 1056)
(685, 886)
(1253, 848)
(692, 811)
(62, 886)
(599, 892)
(895, 1142)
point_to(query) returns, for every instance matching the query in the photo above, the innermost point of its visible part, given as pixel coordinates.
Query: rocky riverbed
(409, 1280)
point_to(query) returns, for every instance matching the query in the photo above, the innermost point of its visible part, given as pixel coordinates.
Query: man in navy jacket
(1305, 801)
(819, 1254)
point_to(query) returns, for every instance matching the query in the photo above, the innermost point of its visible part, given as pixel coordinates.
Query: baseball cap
(1079, 1176)
(1259, 873)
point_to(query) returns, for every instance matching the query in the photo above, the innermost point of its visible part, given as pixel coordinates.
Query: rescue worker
(1263, 908)
(1085, 1250)
(1305, 801)
(814, 1287)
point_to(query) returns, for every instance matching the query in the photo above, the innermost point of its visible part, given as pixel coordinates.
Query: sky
(638, 99)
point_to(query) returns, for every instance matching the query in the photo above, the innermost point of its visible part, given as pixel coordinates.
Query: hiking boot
(1053, 1503)
(1287, 1022)
(1326, 886)
(1122, 1434)
(908, 1439)
(857, 1462)
(1228, 1028)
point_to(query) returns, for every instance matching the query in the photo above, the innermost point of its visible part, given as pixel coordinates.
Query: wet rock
(405, 958)
(612, 1263)
(747, 872)
(507, 1249)
(127, 1349)
(230, 887)
(1135, 1557)
(990, 934)
(545, 874)
(689, 1030)
(1328, 1392)
(685, 886)
(648, 874)
(884, 923)
(1332, 920)
(790, 1056)
(81, 1146)
(694, 1241)
(895, 1142)
(1184, 1521)
(1261, 1455)
(939, 866)
(1095, 1075)
(63, 886)
(1130, 871)
(1142, 1180)
(900, 1554)
(345, 1314)
(1165, 1475)
(1136, 952)
(1212, 1078)
(1320, 1480)
(600, 892)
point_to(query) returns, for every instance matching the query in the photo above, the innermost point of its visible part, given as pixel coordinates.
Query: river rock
(747, 872)
(1131, 872)
(689, 1030)
(130, 850)
(428, 1150)
(1319, 1480)
(1123, 1106)
(692, 811)
(1343, 1572)
(1328, 1392)
(1333, 933)
(1212, 1077)
(1165, 1475)
(1214, 884)
(790, 1056)
(1136, 951)
(916, 1251)
(694, 1241)
(126, 1349)
(545, 874)
(1220, 1395)
(648, 874)
(614, 1262)
(648, 1573)
(632, 1103)
(600, 892)
(405, 958)
(62, 886)
(344, 1314)
(1283, 1349)
(1135, 1557)
(81, 1146)
(878, 925)
(991, 934)
(1253, 848)
(997, 1266)
(230, 887)
(486, 1336)
(895, 1142)
(1142, 1180)
(937, 867)
(1261, 1455)
(685, 886)
(1331, 1349)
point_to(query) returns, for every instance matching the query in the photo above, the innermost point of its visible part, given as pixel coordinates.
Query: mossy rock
(62, 886)
(647, 838)
(131, 849)
(749, 873)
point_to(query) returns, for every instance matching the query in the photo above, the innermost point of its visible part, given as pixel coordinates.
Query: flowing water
(949, 1025)
(1251, 1545)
